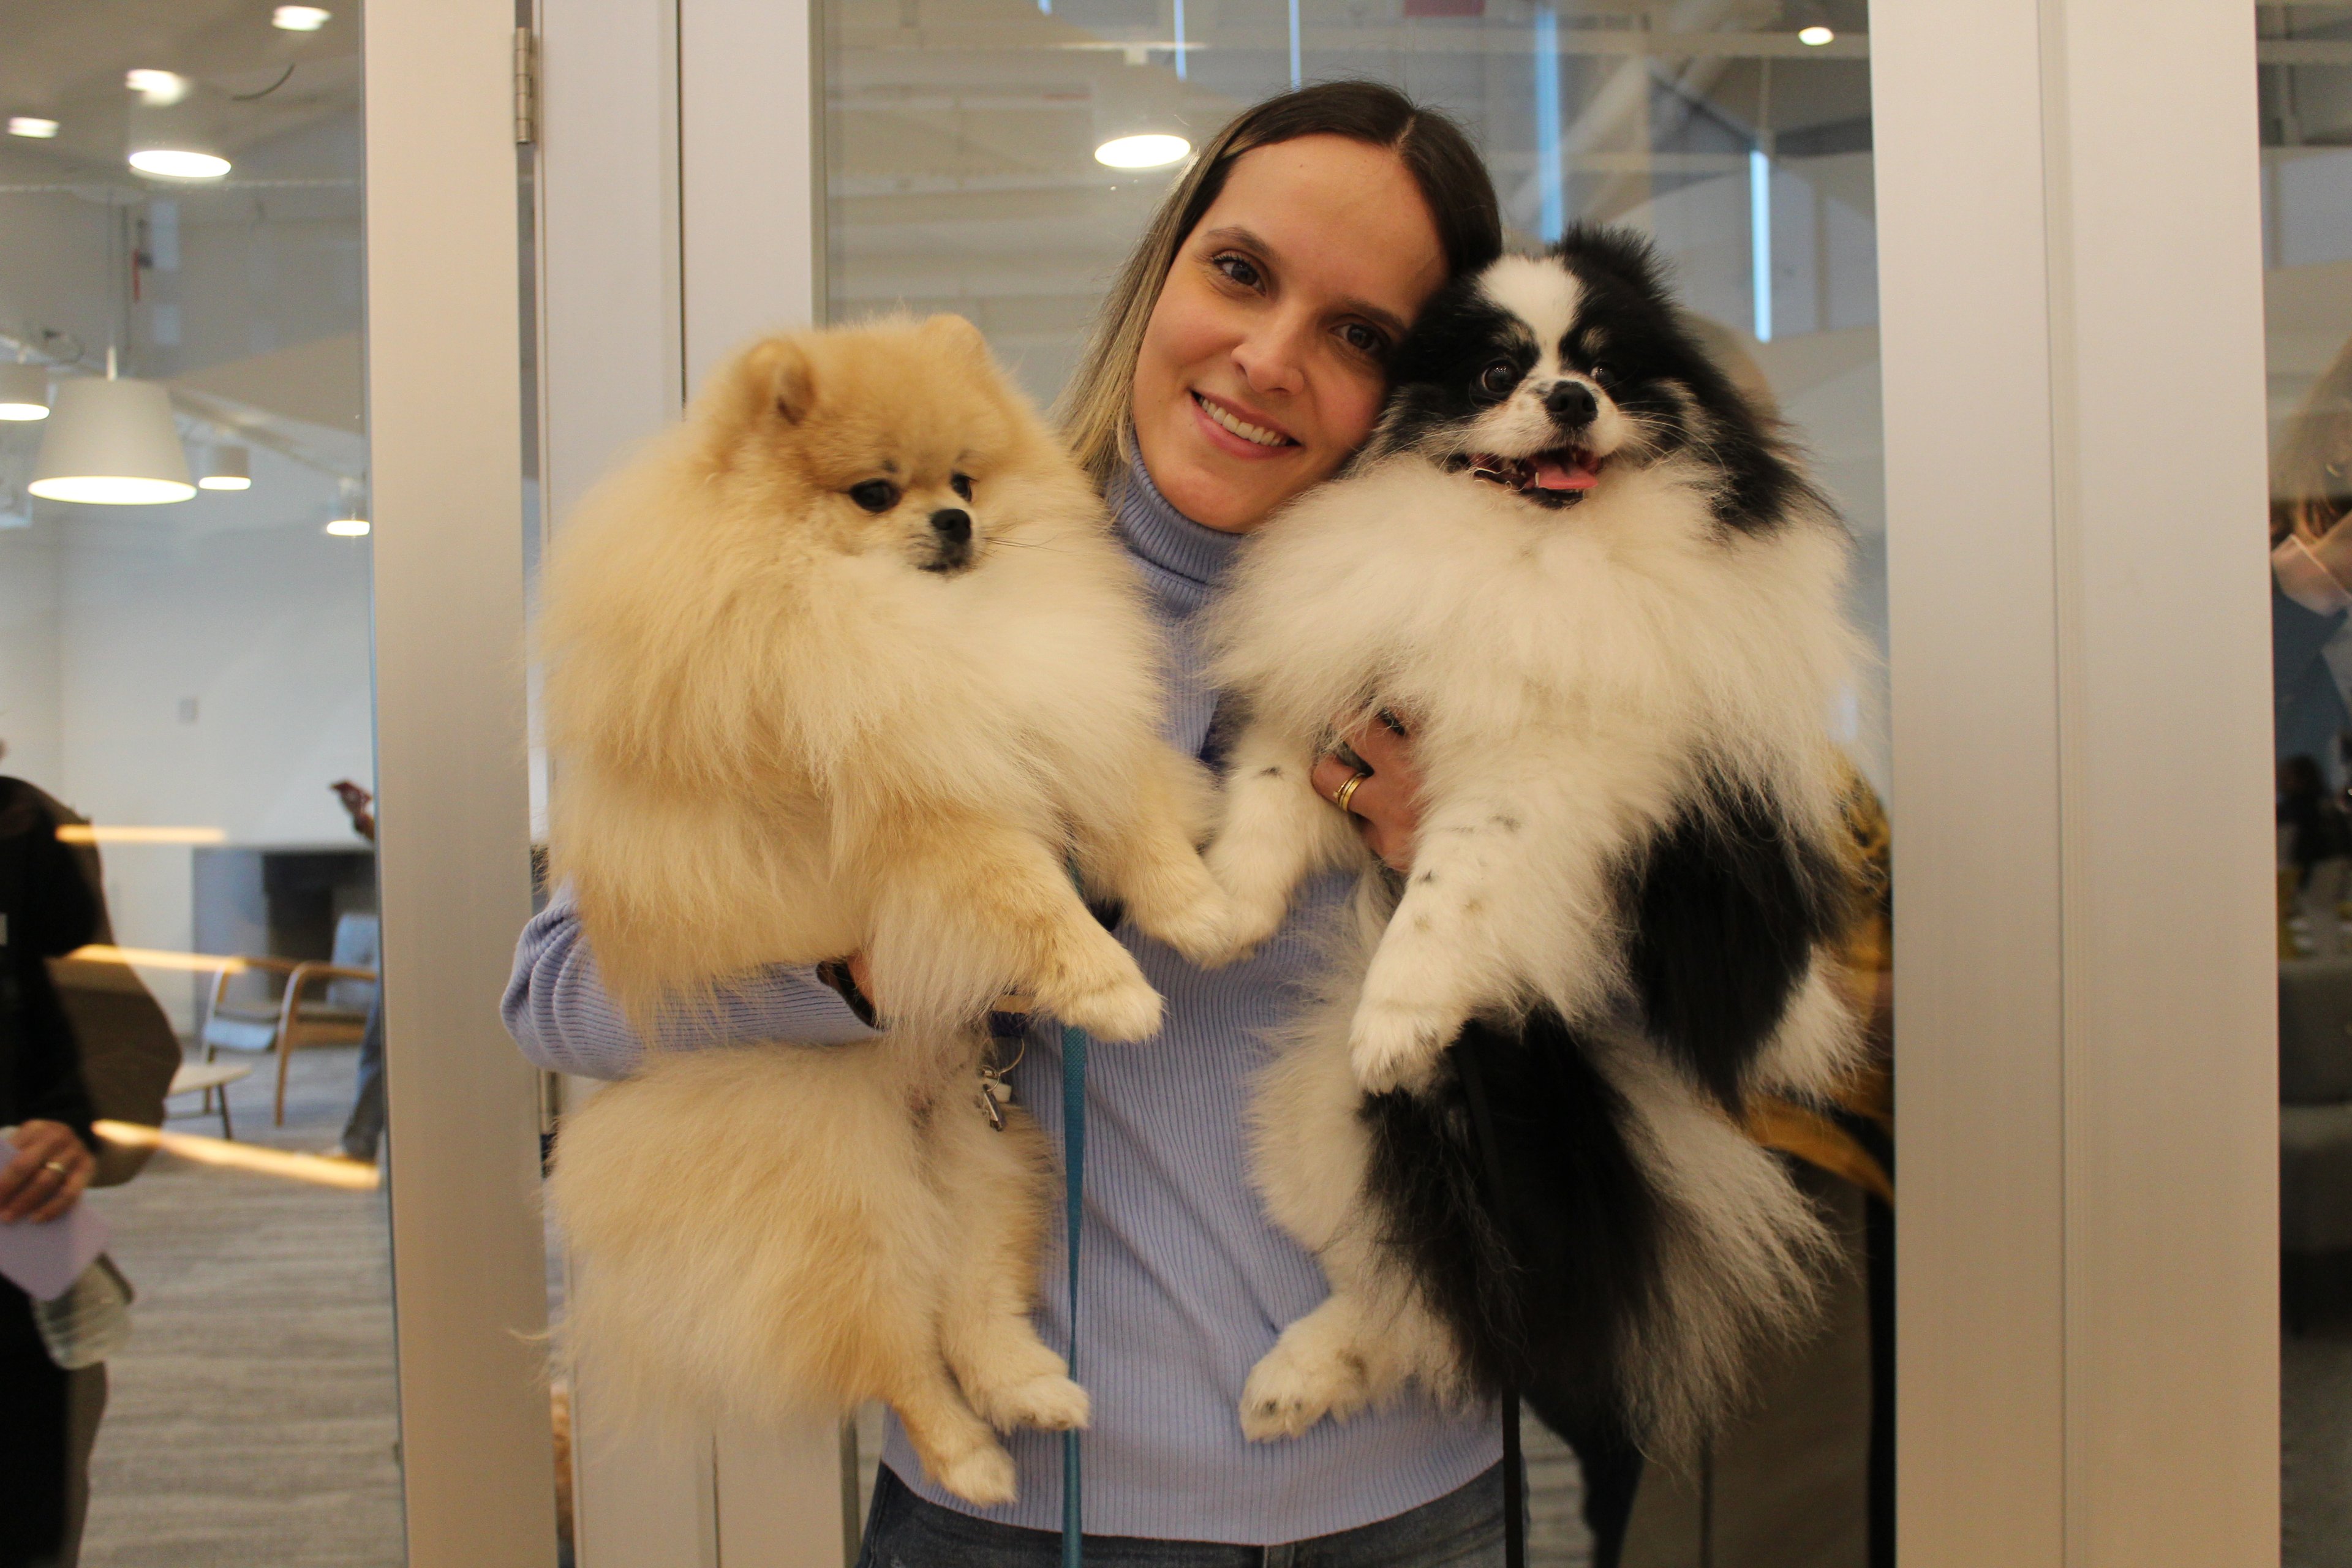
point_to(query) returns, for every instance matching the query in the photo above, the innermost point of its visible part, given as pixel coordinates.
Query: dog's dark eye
(960, 484)
(1498, 378)
(1599, 373)
(875, 495)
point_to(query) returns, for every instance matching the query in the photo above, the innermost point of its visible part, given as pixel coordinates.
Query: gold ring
(1347, 792)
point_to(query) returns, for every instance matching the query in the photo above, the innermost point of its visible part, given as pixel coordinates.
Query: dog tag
(995, 1094)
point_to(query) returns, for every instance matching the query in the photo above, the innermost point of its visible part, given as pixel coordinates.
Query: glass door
(2305, 55)
(999, 163)
(186, 705)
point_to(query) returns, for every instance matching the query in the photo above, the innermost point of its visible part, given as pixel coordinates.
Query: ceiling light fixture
(112, 442)
(1816, 35)
(179, 163)
(32, 125)
(1151, 150)
(300, 18)
(158, 88)
(24, 392)
(226, 468)
(349, 521)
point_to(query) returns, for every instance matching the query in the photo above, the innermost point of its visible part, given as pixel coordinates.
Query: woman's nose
(1273, 359)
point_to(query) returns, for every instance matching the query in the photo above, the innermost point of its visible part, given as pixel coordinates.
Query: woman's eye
(1498, 378)
(960, 484)
(1363, 340)
(1240, 268)
(875, 495)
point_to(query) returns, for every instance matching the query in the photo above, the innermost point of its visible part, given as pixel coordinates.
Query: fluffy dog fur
(850, 662)
(1594, 582)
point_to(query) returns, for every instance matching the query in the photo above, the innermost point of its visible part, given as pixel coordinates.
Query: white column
(444, 413)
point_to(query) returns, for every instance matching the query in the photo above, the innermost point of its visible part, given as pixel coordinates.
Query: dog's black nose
(1571, 403)
(953, 524)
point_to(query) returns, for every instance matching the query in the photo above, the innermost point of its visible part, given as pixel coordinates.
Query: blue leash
(1074, 1165)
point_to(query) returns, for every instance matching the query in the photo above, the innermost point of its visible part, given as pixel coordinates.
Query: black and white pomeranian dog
(1591, 580)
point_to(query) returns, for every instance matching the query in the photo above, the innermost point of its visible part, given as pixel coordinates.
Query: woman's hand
(50, 1170)
(1386, 804)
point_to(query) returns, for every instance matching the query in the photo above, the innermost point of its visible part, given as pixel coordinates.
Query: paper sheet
(44, 1260)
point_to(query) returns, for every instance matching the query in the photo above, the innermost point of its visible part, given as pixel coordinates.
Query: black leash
(1514, 1514)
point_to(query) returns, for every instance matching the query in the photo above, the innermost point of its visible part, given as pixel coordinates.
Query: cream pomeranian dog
(851, 662)
(1594, 583)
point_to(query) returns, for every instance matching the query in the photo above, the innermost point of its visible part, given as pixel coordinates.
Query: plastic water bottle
(91, 1321)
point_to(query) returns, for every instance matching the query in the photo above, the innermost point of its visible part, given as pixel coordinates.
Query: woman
(1239, 361)
(2311, 653)
(47, 1417)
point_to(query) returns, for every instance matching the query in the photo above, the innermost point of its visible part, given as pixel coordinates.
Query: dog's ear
(779, 373)
(955, 335)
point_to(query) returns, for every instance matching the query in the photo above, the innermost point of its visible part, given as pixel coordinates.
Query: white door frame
(680, 194)
(2070, 307)
(445, 413)
(2070, 263)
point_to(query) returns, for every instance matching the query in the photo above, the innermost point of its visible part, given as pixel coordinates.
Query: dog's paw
(1201, 929)
(1251, 917)
(983, 1476)
(1049, 1402)
(1296, 1385)
(1393, 1046)
(1126, 1009)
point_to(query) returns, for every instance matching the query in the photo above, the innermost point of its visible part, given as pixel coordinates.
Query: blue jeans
(1464, 1529)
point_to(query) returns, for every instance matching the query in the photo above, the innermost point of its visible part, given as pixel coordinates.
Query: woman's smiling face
(1264, 361)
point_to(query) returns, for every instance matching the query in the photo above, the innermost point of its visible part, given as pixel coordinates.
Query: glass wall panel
(185, 697)
(2305, 53)
(971, 169)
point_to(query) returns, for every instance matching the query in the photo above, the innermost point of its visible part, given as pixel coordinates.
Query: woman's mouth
(1558, 477)
(1239, 428)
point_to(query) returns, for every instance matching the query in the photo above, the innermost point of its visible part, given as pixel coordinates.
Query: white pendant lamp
(351, 521)
(24, 391)
(112, 442)
(226, 468)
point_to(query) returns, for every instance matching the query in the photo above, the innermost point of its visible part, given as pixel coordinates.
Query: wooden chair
(322, 1004)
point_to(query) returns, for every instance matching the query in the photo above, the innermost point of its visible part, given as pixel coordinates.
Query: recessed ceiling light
(1816, 35)
(32, 125)
(300, 18)
(1149, 151)
(349, 528)
(178, 163)
(156, 86)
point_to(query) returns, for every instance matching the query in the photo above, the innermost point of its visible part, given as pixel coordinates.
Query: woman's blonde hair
(2310, 492)
(1092, 409)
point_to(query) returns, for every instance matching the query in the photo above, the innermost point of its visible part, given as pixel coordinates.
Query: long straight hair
(1093, 408)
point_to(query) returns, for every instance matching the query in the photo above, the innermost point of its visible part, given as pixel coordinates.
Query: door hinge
(526, 88)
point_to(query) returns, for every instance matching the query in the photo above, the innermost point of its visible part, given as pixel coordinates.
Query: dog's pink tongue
(1551, 474)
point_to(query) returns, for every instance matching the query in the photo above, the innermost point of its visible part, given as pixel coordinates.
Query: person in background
(49, 1418)
(2316, 851)
(2311, 573)
(364, 1129)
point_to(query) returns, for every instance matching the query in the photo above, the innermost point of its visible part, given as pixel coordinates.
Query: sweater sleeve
(559, 1012)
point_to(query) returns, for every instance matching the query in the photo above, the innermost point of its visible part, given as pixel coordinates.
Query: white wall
(198, 665)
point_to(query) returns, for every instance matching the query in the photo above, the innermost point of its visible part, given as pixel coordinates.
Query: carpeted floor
(251, 1420)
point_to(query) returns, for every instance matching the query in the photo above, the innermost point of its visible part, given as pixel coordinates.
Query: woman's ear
(779, 372)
